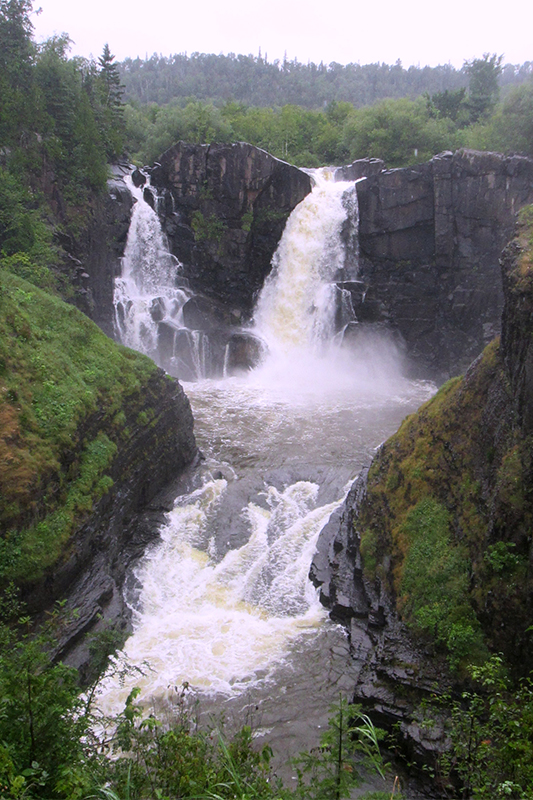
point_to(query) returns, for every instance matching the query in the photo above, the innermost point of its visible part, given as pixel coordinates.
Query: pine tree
(112, 112)
(111, 88)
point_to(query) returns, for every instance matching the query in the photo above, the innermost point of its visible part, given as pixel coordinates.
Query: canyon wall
(455, 480)
(430, 240)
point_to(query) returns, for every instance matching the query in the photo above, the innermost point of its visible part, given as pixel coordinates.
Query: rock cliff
(430, 240)
(429, 562)
(91, 432)
(224, 209)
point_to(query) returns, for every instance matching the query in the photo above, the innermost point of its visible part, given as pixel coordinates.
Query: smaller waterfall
(147, 291)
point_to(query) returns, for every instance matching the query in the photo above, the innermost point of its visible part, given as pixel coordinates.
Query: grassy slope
(63, 386)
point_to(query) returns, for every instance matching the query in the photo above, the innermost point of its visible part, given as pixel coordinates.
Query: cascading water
(150, 294)
(299, 302)
(223, 600)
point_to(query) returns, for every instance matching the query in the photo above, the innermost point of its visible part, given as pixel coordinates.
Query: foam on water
(216, 620)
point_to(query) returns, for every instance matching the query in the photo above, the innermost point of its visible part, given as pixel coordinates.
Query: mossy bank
(90, 432)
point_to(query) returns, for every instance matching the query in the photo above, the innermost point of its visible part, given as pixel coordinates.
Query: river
(222, 600)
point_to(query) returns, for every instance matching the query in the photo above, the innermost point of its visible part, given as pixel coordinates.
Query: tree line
(401, 130)
(255, 81)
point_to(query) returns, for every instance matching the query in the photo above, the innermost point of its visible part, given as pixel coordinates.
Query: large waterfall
(223, 600)
(299, 302)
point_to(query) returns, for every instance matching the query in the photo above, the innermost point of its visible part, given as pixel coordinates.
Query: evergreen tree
(112, 110)
(16, 59)
(111, 88)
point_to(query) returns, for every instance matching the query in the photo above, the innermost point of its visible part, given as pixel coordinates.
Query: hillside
(89, 432)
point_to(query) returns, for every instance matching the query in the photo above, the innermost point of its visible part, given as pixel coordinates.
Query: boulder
(244, 352)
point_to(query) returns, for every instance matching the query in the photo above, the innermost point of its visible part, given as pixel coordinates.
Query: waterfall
(223, 599)
(148, 291)
(299, 304)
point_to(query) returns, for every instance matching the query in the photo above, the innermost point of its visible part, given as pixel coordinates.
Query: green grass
(63, 390)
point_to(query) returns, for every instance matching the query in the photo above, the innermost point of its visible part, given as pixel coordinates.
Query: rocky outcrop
(156, 445)
(466, 454)
(224, 208)
(90, 434)
(396, 674)
(99, 248)
(430, 240)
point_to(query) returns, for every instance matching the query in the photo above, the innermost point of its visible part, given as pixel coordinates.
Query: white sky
(418, 32)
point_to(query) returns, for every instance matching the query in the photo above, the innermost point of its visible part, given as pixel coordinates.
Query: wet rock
(244, 352)
(204, 314)
(362, 168)
(158, 309)
(430, 239)
(393, 675)
(156, 447)
(149, 197)
(101, 248)
(138, 178)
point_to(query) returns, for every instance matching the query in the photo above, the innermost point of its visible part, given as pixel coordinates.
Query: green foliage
(447, 528)
(500, 557)
(435, 581)
(254, 81)
(490, 733)
(330, 772)
(208, 228)
(59, 372)
(399, 131)
(483, 88)
(449, 104)
(44, 731)
(49, 747)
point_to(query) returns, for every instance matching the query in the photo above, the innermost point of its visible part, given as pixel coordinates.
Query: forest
(316, 115)
(63, 121)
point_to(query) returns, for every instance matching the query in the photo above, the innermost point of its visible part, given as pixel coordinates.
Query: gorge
(285, 426)
(412, 197)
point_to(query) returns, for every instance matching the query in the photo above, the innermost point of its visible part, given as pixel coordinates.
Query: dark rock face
(120, 525)
(395, 674)
(224, 208)
(430, 240)
(102, 246)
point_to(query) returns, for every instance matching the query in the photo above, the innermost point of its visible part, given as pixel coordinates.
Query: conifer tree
(111, 91)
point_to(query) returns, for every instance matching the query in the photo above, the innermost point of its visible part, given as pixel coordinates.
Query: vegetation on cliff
(69, 398)
(447, 518)
(61, 121)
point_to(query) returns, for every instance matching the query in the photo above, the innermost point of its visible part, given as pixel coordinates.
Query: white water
(148, 279)
(296, 308)
(223, 600)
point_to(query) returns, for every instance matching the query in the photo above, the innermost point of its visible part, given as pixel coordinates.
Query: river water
(222, 601)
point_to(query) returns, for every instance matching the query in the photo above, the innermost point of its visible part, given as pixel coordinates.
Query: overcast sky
(418, 32)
